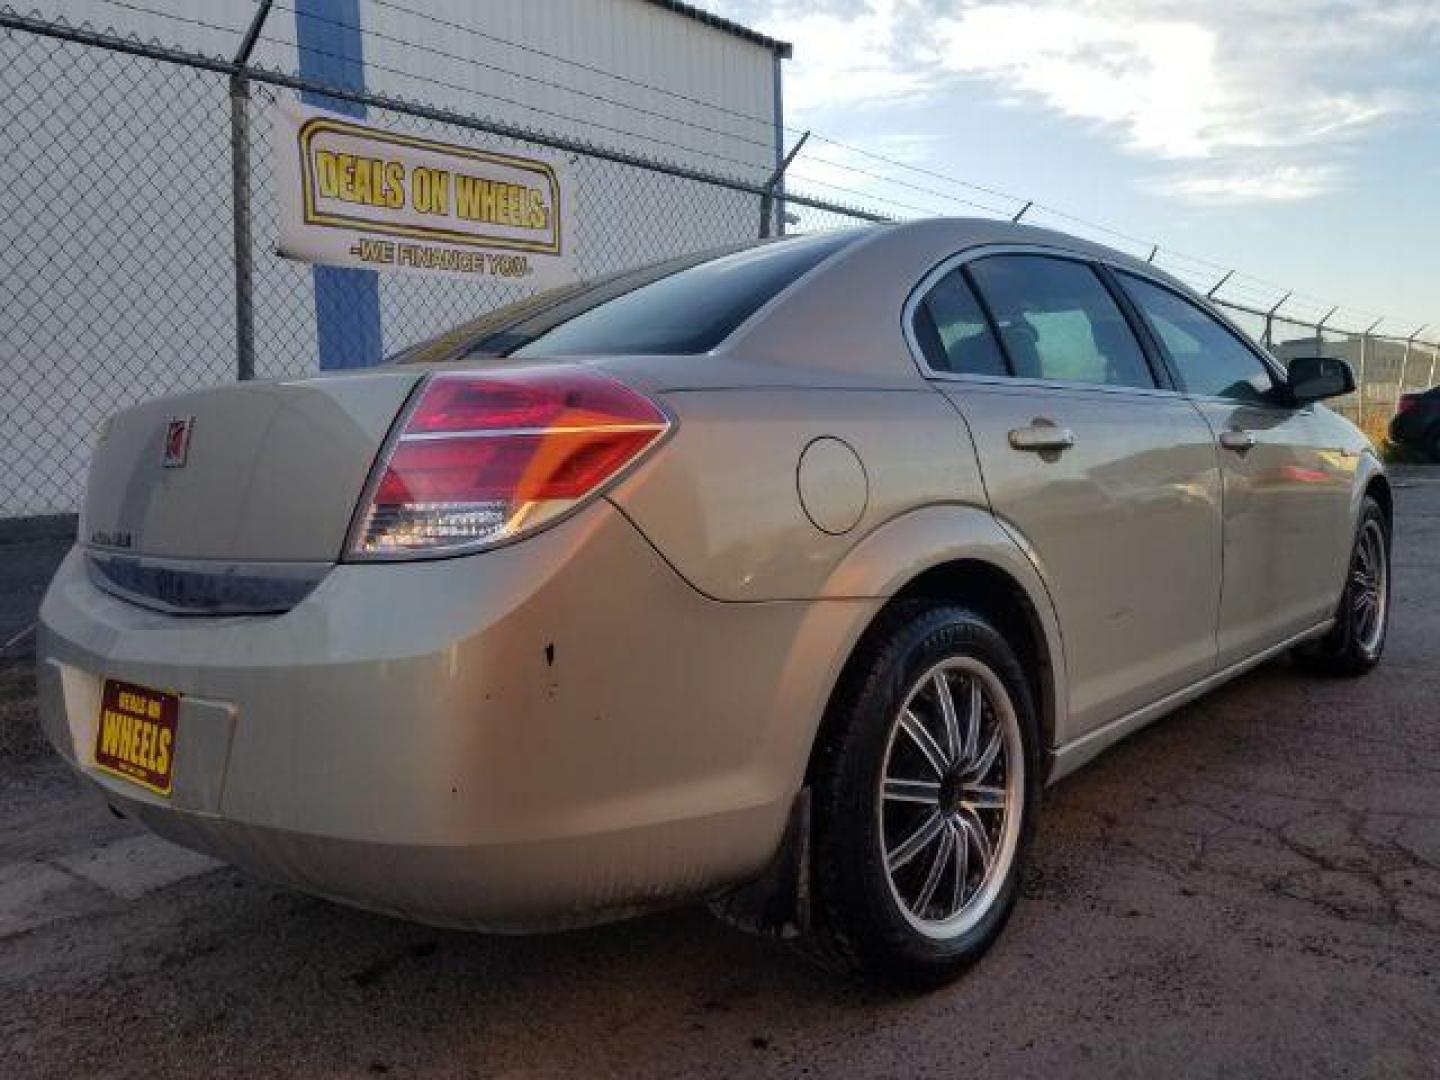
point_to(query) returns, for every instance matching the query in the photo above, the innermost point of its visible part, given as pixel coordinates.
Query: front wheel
(1354, 644)
(926, 786)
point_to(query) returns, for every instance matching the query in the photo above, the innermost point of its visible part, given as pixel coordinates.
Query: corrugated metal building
(149, 291)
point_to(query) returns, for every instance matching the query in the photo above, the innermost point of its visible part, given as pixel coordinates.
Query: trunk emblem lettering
(177, 441)
(116, 539)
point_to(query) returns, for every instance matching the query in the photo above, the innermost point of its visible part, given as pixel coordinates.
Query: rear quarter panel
(721, 502)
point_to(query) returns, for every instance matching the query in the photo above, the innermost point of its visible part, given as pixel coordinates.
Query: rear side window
(1208, 357)
(953, 333)
(1058, 321)
(692, 310)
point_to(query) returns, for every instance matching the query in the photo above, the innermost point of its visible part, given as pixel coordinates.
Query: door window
(1207, 356)
(953, 334)
(1058, 321)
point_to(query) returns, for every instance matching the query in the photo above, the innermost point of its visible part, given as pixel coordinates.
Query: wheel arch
(1378, 488)
(993, 594)
(952, 553)
(962, 555)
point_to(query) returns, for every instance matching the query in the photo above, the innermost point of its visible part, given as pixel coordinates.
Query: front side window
(1059, 322)
(1206, 355)
(953, 333)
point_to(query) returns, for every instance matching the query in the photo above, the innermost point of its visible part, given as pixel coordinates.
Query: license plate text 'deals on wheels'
(136, 735)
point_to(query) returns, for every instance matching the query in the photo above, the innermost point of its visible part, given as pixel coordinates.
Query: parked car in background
(1416, 423)
(783, 576)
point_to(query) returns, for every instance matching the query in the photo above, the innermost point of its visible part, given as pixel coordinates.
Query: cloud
(1278, 183)
(846, 57)
(1262, 93)
(1154, 79)
(1189, 82)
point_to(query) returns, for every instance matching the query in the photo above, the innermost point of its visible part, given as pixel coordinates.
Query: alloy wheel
(1369, 587)
(951, 797)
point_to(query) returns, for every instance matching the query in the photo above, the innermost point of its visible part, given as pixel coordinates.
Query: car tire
(1354, 644)
(895, 907)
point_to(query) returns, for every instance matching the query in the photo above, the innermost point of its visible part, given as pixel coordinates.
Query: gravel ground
(1250, 887)
(29, 553)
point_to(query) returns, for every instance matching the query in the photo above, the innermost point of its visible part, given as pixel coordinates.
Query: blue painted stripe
(347, 301)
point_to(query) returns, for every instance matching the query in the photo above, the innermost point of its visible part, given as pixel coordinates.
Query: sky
(1297, 141)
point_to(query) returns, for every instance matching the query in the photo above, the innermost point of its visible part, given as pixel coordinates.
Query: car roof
(844, 316)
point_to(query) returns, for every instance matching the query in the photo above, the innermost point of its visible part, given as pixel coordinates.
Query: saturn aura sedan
(782, 577)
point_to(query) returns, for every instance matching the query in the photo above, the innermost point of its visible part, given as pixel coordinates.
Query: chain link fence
(118, 256)
(1386, 367)
(118, 250)
(107, 296)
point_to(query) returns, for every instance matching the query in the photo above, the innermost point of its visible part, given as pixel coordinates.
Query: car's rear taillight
(1406, 403)
(483, 458)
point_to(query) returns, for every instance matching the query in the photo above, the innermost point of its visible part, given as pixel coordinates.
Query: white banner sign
(354, 195)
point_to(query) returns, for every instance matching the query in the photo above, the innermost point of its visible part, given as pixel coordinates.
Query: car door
(1287, 478)
(1103, 473)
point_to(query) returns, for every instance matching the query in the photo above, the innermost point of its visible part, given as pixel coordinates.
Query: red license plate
(136, 738)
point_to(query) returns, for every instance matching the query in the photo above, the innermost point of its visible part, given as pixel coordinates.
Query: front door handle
(1042, 437)
(1237, 440)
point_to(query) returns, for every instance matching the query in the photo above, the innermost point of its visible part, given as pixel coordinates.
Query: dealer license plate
(136, 736)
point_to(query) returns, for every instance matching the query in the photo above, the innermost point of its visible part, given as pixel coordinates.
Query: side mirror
(1315, 378)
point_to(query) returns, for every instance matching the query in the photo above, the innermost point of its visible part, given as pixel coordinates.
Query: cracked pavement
(1249, 887)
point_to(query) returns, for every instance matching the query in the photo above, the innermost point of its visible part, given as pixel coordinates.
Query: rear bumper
(552, 733)
(1413, 427)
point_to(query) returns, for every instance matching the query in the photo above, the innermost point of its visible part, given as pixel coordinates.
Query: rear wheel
(1354, 644)
(926, 783)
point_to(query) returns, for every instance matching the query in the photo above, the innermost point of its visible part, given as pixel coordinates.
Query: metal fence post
(778, 82)
(1270, 320)
(240, 199)
(1217, 286)
(1364, 351)
(767, 201)
(1320, 330)
(1405, 365)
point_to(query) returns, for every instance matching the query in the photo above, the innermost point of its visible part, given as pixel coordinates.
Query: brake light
(1407, 402)
(484, 458)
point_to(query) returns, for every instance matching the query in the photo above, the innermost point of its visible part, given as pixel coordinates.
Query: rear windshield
(680, 306)
(692, 310)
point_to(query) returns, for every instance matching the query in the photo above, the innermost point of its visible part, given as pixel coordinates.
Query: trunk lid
(272, 471)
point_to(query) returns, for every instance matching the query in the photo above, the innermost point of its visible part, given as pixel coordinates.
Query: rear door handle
(1237, 440)
(1042, 437)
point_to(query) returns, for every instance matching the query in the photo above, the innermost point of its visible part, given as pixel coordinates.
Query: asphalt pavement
(1248, 888)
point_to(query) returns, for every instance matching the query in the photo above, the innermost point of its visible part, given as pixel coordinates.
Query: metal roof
(690, 11)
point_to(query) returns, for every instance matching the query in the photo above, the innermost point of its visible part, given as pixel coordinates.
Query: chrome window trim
(1003, 382)
(961, 258)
